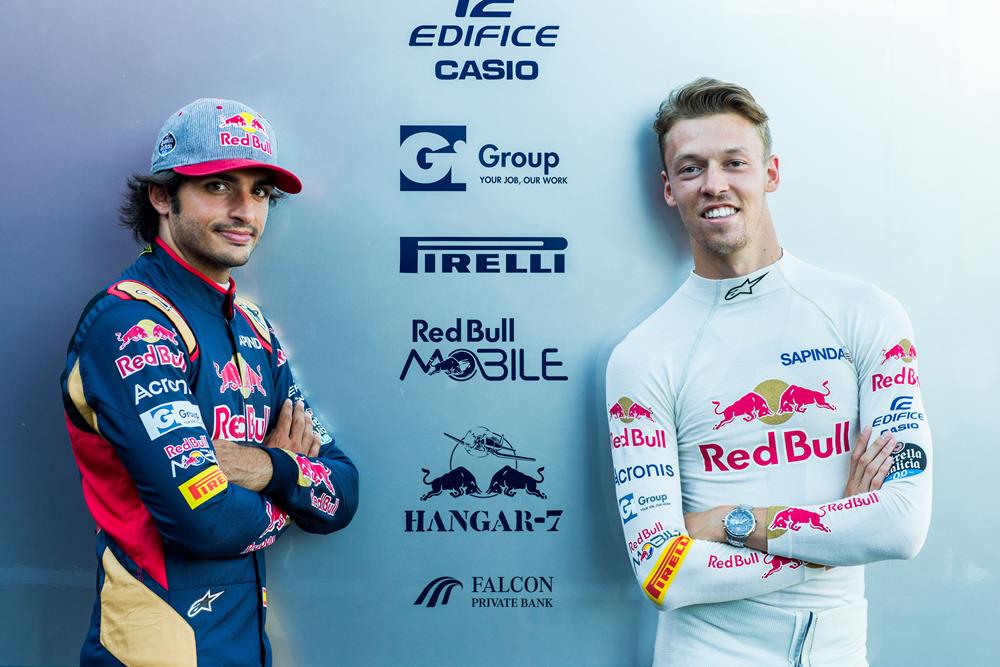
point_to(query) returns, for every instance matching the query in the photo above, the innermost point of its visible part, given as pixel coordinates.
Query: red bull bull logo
(147, 331)
(243, 120)
(772, 402)
(793, 518)
(778, 562)
(276, 518)
(314, 473)
(246, 382)
(627, 411)
(904, 350)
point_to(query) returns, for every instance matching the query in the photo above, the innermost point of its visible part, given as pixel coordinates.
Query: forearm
(249, 467)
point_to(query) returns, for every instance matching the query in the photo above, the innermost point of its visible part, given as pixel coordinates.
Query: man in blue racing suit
(195, 446)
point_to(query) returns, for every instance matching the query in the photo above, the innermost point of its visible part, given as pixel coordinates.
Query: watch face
(739, 522)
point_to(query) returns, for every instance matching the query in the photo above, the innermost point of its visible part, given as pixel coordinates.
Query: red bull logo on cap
(904, 350)
(772, 402)
(243, 120)
(237, 375)
(253, 130)
(147, 331)
(627, 411)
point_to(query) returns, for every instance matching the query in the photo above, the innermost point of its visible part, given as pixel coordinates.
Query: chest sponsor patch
(171, 416)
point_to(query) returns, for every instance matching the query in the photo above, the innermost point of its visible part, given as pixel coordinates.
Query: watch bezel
(739, 539)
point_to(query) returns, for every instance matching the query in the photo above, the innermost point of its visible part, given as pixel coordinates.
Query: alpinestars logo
(479, 455)
(437, 591)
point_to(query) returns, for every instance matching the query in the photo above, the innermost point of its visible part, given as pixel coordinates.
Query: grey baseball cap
(209, 136)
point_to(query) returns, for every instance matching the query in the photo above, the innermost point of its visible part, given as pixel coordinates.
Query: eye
(216, 186)
(689, 170)
(737, 163)
(262, 191)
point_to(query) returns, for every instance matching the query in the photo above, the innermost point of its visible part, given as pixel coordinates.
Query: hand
(869, 464)
(293, 430)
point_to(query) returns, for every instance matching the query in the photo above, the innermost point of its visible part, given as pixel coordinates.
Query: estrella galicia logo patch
(437, 591)
(428, 154)
(908, 459)
(167, 144)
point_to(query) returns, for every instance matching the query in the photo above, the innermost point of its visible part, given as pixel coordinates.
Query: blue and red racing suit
(163, 362)
(752, 391)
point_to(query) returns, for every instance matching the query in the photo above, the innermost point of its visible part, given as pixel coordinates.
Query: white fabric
(816, 355)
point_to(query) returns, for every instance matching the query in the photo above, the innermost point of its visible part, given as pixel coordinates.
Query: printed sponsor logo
(644, 535)
(204, 603)
(171, 416)
(482, 254)
(434, 159)
(161, 386)
(734, 561)
(778, 562)
(155, 355)
(793, 518)
(904, 350)
(204, 486)
(744, 288)
(187, 445)
(650, 470)
(905, 377)
(773, 402)
(796, 446)
(147, 331)
(625, 506)
(282, 358)
(636, 437)
(237, 375)
(647, 551)
(252, 133)
(521, 592)
(250, 341)
(483, 454)
(627, 411)
(195, 459)
(908, 459)
(167, 144)
(277, 519)
(246, 427)
(492, 364)
(662, 575)
(486, 25)
(313, 473)
(324, 503)
(815, 354)
(899, 412)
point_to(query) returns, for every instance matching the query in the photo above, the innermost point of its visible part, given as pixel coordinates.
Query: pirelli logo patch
(662, 575)
(206, 484)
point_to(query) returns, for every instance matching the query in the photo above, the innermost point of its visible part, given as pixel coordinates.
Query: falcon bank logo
(434, 160)
(485, 25)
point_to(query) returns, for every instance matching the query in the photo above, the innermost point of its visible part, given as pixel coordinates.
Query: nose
(715, 182)
(244, 207)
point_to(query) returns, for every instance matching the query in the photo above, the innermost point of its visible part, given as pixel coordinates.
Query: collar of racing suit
(734, 291)
(197, 288)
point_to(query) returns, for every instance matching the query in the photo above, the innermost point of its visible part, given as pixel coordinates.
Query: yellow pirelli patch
(662, 574)
(206, 484)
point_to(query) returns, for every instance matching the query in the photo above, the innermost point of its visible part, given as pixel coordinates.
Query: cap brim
(283, 179)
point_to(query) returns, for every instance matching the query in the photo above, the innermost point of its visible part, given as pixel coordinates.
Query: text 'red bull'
(636, 437)
(247, 427)
(251, 140)
(796, 446)
(155, 355)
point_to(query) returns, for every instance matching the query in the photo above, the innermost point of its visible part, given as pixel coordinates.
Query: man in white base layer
(767, 429)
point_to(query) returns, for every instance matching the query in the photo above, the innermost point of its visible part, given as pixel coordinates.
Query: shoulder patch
(136, 291)
(252, 313)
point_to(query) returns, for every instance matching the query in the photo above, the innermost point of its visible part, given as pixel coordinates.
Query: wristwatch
(739, 523)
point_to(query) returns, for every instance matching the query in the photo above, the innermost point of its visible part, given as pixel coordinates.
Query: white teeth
(720, 212)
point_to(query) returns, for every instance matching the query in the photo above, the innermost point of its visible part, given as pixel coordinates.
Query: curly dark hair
(137, 213)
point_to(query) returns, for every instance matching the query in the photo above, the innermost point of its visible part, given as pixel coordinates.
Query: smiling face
(217, 220)
(717, 177)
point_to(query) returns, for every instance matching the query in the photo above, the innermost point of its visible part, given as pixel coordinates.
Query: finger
(882, 472)
(860, 445)
(872, 469)
(314, 447)
(297, 430)
(284, 417)
(866, 458)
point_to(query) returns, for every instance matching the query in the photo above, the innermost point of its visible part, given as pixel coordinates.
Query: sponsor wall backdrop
(479, 226)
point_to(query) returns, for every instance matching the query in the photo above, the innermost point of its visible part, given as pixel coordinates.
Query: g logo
(428, 153)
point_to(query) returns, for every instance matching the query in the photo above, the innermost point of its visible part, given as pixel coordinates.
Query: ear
(773, 177)
(668, 193)
(159, 198)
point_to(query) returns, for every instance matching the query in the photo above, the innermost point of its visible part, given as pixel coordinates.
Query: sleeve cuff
(285, 472)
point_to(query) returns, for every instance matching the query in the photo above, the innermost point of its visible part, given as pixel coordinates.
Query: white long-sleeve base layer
(752, 391)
